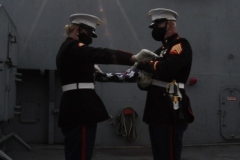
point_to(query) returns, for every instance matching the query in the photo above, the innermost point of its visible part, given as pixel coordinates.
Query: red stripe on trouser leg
(171, 143)
(84, 136)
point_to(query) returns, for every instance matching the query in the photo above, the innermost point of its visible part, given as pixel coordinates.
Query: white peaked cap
(161, 13)
(87, 19)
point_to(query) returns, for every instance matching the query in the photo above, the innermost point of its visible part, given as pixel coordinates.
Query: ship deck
(195, 152)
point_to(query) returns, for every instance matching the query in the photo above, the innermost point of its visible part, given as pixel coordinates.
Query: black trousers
(166, 141)
(79, 142)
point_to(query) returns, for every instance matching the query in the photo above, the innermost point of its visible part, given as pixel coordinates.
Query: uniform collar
(69, 38)
(170, 39)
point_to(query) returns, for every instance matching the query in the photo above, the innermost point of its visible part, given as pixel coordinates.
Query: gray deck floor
(206, 152)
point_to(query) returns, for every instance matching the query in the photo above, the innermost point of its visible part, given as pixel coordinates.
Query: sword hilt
(175, 95)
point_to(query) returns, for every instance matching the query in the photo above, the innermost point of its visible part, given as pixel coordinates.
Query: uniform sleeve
(179, 56)
(101, 55)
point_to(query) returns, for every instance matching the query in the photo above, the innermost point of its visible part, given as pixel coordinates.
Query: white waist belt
(74, 86)
(164, 84)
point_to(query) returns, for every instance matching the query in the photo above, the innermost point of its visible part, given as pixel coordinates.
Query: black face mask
(84, 38)
(158, 34)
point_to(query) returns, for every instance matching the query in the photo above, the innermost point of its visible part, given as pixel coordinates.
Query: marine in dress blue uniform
(80, 107)
(167, 120)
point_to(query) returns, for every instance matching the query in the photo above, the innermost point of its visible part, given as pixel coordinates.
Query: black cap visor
(157, 21)
(90, 30)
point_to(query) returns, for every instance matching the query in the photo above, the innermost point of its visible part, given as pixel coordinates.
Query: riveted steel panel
(229, 112)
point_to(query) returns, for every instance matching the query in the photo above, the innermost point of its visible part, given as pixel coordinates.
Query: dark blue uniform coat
(174, 64)
(75, 64)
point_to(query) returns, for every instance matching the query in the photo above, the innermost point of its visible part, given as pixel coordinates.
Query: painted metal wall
(210, 26)
(8, 62)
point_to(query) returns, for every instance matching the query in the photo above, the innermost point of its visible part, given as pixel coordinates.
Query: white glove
(97, 69)
(144, 80)
(145, 55)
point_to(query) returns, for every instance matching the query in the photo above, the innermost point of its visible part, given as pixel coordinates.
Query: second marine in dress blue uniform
(167, 110)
